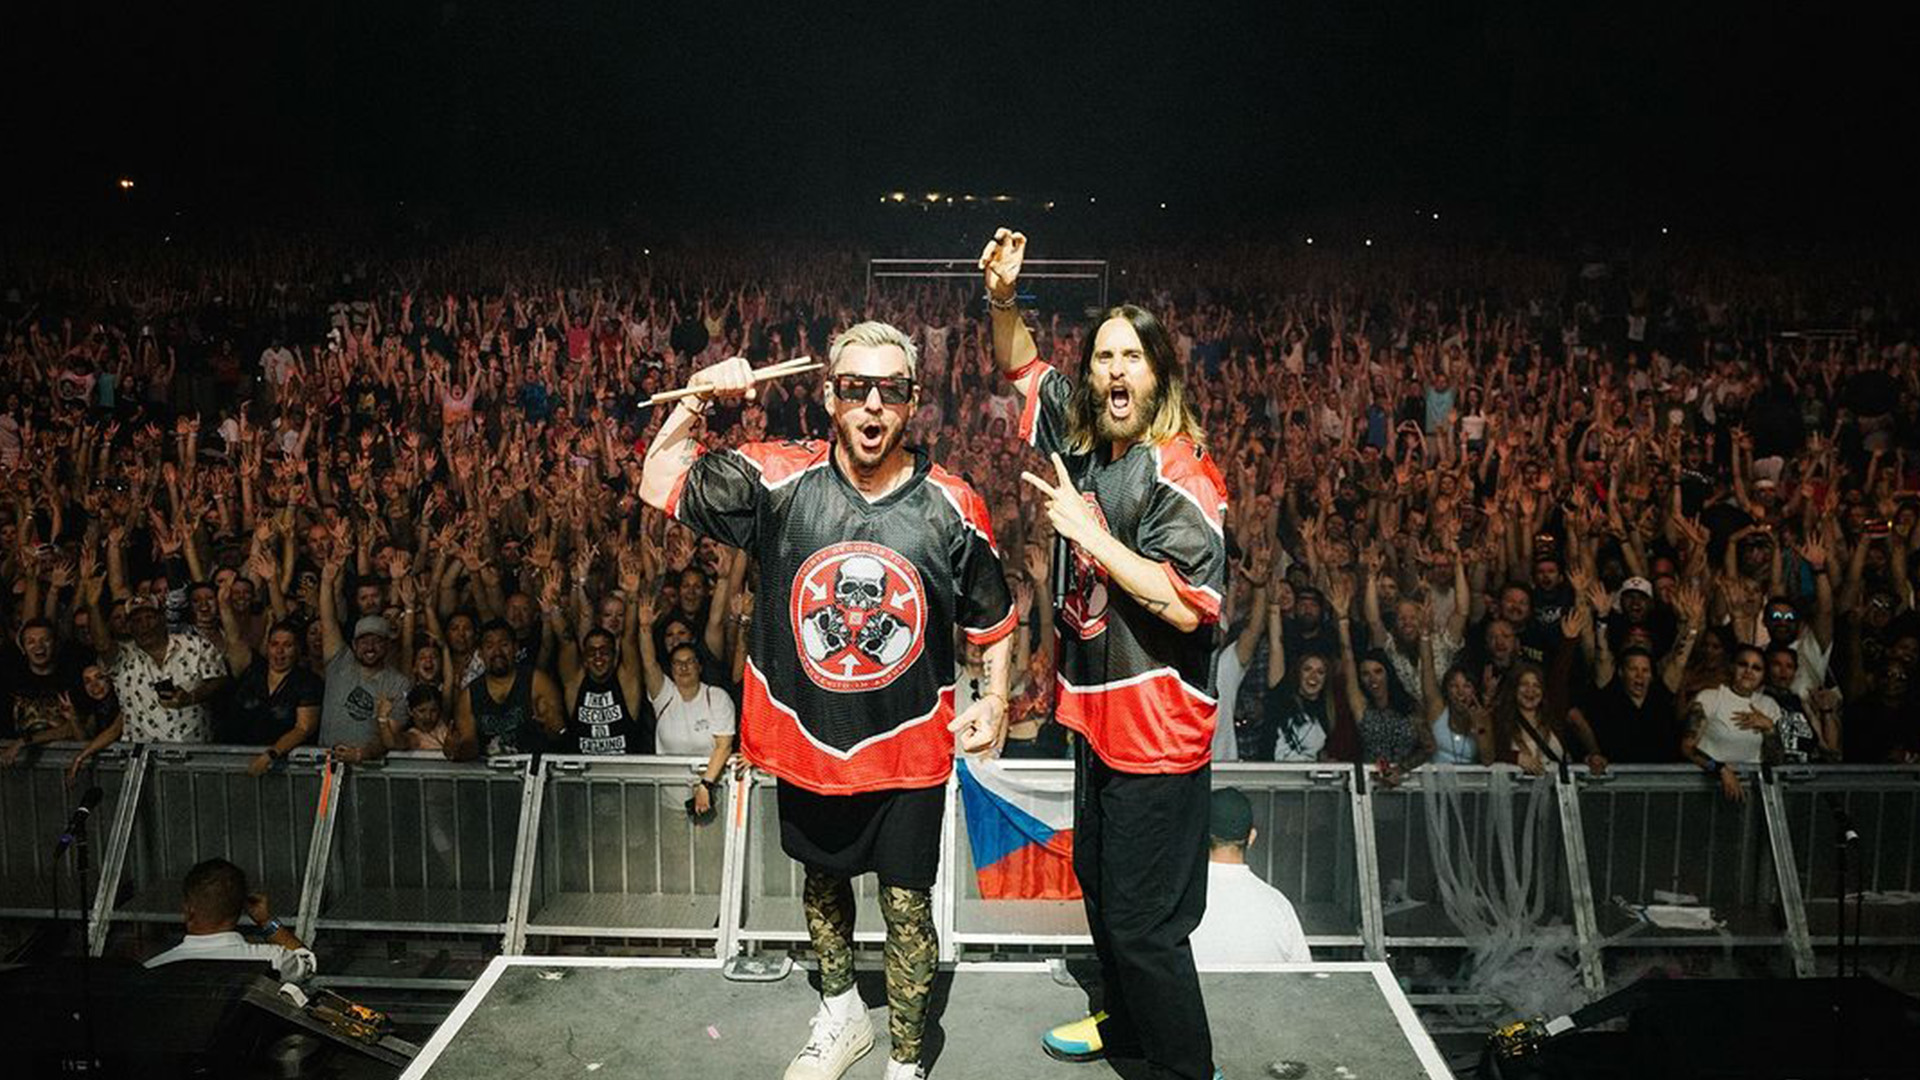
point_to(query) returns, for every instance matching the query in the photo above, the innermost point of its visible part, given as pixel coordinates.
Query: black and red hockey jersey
(850, 670)
(1139, 690)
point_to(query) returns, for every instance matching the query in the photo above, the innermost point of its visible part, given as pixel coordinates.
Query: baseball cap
(373, 624)
(1230, 815)
(1636, 584)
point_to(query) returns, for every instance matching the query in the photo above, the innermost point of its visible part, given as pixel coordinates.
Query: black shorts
(895, 834)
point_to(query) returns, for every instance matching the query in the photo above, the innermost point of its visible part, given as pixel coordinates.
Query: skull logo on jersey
(859, 616)
(1084, 605)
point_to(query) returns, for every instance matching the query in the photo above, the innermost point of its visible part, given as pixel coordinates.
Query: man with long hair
(1140, 506)
(869, 555)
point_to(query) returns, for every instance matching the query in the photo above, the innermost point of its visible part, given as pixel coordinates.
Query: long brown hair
(1173, 414)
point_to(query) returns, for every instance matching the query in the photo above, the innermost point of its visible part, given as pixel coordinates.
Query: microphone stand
(1844, 837)
(82, 865)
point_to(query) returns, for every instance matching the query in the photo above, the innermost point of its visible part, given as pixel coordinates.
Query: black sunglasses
(853, 389)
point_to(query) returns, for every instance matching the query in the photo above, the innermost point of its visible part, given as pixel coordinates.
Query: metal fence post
(333, 778)
(1786, 869)
(1367, 855)
(118, 840)
(944, 894)
(1573, 837)
(533, 788)
(733, 877)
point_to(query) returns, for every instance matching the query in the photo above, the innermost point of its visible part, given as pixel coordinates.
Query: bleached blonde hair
(874, 335)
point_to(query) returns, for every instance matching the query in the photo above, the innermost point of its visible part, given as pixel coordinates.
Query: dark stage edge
(585, 1017)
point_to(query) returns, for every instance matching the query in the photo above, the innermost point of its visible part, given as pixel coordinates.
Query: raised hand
(728, 380)
(1070, 514)
(1340, 596)
(1000, 260)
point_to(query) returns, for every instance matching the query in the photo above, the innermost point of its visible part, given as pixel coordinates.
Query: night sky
(1755, 115)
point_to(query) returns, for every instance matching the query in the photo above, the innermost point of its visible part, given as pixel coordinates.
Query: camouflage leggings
(912, 951)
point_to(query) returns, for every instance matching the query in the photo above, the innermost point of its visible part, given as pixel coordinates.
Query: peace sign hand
(1001, 260)
(1070, 514)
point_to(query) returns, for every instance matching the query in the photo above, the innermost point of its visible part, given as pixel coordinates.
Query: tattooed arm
(1696, 725)
(673, 450)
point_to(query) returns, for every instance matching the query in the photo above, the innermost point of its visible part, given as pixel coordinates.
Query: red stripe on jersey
(1150, 724)
(917, 753)
(1204, 602)
(680, 485)
(992, 633)
(966, 502)
(1030, 412)
(1183, 467)
(779, 462)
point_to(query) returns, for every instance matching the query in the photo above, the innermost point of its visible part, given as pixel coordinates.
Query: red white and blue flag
(1020, 827)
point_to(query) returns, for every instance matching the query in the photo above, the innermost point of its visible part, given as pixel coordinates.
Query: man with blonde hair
(868, 555)
(1140, 507)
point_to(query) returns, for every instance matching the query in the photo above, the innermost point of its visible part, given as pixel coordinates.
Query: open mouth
(1119, 401)
(872, 435)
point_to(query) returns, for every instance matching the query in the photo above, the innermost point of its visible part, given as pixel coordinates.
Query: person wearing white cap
(357, 678)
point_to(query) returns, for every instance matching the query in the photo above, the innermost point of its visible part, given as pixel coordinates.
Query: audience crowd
(1485, 508)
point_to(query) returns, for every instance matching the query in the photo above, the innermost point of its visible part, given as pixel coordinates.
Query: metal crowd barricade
(1306, 823)
(1413, 912)
(769, 907)
(1665, 835)
(1879, 803)
(615, 853)
(415, 842)
(35, 802)
(193, 802)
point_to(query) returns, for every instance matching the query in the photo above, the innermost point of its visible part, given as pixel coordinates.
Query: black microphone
(1848, 834)
(79, 819)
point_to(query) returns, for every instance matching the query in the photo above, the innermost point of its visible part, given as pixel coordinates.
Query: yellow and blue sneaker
(1077, 1041)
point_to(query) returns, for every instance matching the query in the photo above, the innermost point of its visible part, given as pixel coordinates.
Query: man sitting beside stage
(215, 894)
(1247, 921)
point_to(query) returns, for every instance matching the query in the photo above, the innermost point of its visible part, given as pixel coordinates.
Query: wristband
(271, 927)
(274, 754)
(1009, 304)
(1712, 767)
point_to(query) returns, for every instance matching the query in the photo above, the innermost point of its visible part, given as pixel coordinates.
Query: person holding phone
(162, 679)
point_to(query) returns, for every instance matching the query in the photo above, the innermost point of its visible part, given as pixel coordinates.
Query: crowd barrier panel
(1881, 804)
(1305, 816)
(770, 884)
(414, 842)
(36, 801)
(194, 802)
(615, 853)
(1665, 835)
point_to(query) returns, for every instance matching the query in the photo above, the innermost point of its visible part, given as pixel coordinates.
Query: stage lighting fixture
(126, 184)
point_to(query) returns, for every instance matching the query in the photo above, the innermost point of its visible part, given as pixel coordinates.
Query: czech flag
(1020, 827)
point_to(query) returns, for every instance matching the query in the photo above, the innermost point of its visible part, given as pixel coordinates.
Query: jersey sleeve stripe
(1030, 409)
(1190, 486)
(995, 632)
(1204, 601)
(780, 463)
(966, 503)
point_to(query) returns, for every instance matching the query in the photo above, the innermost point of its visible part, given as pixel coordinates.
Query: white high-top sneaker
(841, 1036)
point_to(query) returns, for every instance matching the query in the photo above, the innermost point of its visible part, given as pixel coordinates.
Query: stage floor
(680, 1020)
